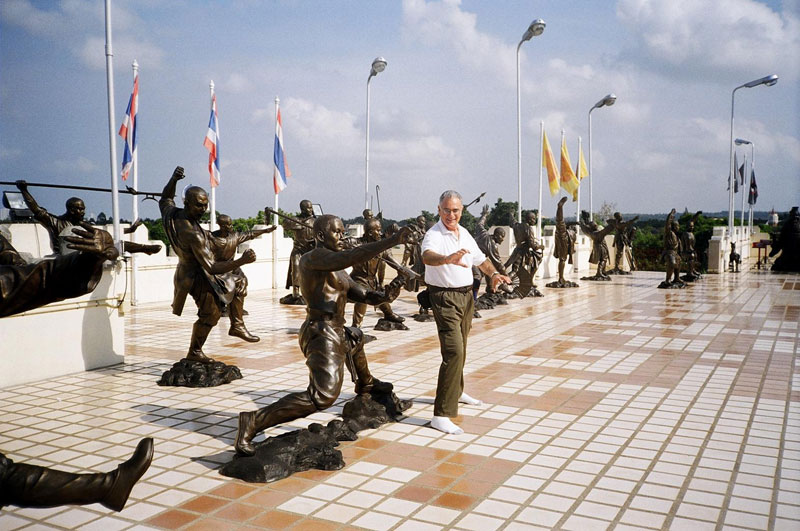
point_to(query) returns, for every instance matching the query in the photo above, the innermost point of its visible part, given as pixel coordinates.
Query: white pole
(744, 172)
(275, 216)
(519, 145)
(541, 168)
(591, 175)
(111, 132)
(366, 157)
(576, 261)
(732, 174)
(752, 172)
(213, 202)
(135, 202)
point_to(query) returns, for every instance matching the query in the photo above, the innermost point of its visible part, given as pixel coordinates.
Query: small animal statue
(734, 260)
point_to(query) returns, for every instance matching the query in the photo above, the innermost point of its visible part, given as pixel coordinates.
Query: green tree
(502, 213)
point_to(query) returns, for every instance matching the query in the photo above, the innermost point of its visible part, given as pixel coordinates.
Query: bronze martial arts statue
(488, 244)
(564, 248)
(688, 249)
(599, 254)
(210, 282)
(225, 241)
(527, 254)
(621, 242)
(367, 274)
(671, 253)
(325, 341)
(303, 242)
(57, 225)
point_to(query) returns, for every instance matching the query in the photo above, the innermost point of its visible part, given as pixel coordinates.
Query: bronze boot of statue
(35, 486)
(200, 333)
(236, 312)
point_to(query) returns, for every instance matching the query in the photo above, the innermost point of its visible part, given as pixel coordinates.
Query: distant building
(773, 218)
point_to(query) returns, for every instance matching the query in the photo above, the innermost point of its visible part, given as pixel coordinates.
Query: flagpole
(275, 215)
(134, 199)
(541, 166)
(213, 201)
(111, 132)
(749, 188)
(744, 169)
(578, 207)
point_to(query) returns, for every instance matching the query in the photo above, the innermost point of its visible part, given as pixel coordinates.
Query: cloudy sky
(443, 113)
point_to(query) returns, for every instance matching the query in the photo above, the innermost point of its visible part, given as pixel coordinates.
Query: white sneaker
(446, 425)
(466, 399)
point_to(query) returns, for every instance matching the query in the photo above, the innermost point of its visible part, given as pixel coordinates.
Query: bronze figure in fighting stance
(325, 341)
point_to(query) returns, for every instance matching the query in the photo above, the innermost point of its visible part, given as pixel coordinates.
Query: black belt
(437, 289)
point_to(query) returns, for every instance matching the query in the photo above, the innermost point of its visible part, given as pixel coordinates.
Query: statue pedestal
(65, 337)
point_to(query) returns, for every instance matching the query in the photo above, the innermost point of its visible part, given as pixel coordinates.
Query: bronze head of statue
(76, 209)
(372, 230)
(421, 222)
(306, 208)
(530, 218)
(366, 214)
(195, 203)
(498, 235)
(329, 232)
(225, 224)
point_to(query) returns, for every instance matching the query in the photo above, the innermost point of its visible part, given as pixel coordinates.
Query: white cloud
(81, 165)
(444, 23)
(71, 18)
(707, 38)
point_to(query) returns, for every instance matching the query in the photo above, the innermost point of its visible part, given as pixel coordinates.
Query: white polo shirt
(442, 241)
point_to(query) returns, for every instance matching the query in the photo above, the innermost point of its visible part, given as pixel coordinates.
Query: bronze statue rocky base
(315, 447)
(385, 325)
(188, 373)
(617, 272)
(565, 284)
(295, 300)
(597, 278)
(488, 301)
(672, 285)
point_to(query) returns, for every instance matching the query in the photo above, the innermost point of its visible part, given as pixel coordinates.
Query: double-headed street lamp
(743, 142)
(768, 81)
(607, 101)
(536, 28)
(378, 65)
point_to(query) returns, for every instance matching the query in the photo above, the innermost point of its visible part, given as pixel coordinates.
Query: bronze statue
(25, 286)
(564, 246)
(303, 242)
(211, 283)
(366, 274)
(526, 256)
(734, 260)
(788, 244)
(621, 242)
(325, 341)
(225, 241)
(412, 253)
(488, 243)
(688, 249)
(631, 235)
(27, 485)
(599, 254)
(671, 253)
(57, 225)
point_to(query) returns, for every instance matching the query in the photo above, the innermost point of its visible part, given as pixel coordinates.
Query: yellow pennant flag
(580, 170)
(549, 162)
(569, 181)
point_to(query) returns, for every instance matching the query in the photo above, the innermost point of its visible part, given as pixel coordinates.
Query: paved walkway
(614, 405)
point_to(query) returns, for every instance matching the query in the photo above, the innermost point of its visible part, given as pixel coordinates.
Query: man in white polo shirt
(449, 252)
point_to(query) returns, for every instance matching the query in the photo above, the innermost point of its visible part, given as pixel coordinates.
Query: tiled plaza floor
(613, 405)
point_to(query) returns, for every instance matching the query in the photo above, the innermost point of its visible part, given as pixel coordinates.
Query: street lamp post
(768, 81)
(536, 28)
(740, 142)
(607, 101)
(378, 65)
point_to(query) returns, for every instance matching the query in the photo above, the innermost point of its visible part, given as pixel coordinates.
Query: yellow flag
(580, 171)
(569, 181)
(549, 162)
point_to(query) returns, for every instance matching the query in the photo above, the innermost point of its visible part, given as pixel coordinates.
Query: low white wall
(71, 336)
(719, 248)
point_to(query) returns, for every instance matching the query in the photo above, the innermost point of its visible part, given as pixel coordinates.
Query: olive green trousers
(453, 313)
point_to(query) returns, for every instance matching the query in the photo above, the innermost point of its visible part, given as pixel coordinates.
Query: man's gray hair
(450, 194)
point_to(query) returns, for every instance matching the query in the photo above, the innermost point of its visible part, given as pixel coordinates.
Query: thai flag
(281, 171)
(211, 143)
(128, 130)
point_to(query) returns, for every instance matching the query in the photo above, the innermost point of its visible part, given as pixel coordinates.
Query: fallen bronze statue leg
(26, 485)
